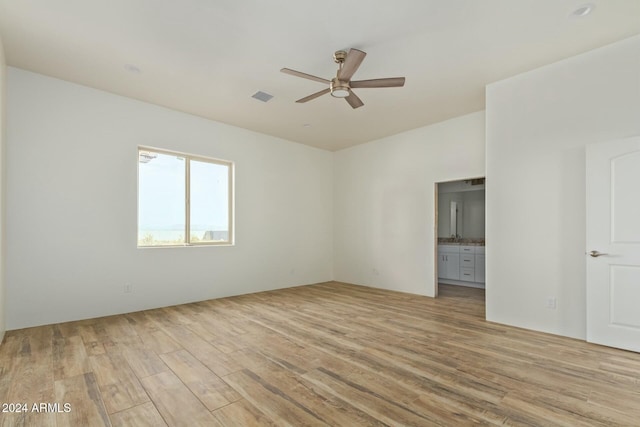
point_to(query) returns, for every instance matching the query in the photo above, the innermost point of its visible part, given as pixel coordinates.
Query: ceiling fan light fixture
(340, 93)
(339, 89)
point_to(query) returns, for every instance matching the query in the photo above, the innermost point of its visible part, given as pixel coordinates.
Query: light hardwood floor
(326, 354)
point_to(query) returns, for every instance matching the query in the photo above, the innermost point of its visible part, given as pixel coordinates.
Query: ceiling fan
(341, 85)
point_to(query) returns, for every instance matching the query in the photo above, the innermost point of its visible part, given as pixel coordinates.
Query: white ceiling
(207, 57)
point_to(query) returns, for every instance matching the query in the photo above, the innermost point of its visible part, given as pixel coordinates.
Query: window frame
(187, 198)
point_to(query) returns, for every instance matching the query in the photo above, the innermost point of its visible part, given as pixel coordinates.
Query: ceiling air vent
(262, 96)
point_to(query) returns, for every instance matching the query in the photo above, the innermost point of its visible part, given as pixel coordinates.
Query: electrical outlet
(551, 303)
(128, 288)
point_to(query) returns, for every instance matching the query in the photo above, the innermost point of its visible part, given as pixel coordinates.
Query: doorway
(460, 234)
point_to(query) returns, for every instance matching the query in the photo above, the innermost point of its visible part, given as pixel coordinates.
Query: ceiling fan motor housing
(339, 89)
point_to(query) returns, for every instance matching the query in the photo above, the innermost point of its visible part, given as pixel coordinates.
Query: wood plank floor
(327, 354)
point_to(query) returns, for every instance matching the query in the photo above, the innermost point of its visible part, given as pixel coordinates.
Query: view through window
(183, 199)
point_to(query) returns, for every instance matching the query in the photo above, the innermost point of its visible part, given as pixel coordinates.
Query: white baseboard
(479, 285)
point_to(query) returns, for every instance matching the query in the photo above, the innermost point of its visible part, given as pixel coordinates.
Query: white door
(613, 243)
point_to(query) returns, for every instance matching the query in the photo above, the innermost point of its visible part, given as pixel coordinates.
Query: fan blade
(304, 75)
(354, 101)
(351, 64)
(390, 82)
(314, 95)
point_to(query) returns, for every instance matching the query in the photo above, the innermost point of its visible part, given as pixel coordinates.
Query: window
(183, 200)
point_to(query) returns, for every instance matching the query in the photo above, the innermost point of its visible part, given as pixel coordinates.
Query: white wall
(538, 124)
(384, 202)
(71, 199)
(3, 97)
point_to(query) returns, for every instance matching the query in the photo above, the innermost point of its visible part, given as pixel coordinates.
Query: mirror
(453, 219)
(461, 214)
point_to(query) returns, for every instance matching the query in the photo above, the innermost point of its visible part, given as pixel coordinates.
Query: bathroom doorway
(460, 234)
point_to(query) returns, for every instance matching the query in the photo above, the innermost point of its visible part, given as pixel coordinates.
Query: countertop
(461, 242)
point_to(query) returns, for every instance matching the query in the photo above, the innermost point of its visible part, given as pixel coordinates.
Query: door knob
(596, 254)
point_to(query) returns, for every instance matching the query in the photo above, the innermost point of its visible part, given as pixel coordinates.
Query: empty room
(196, 231)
